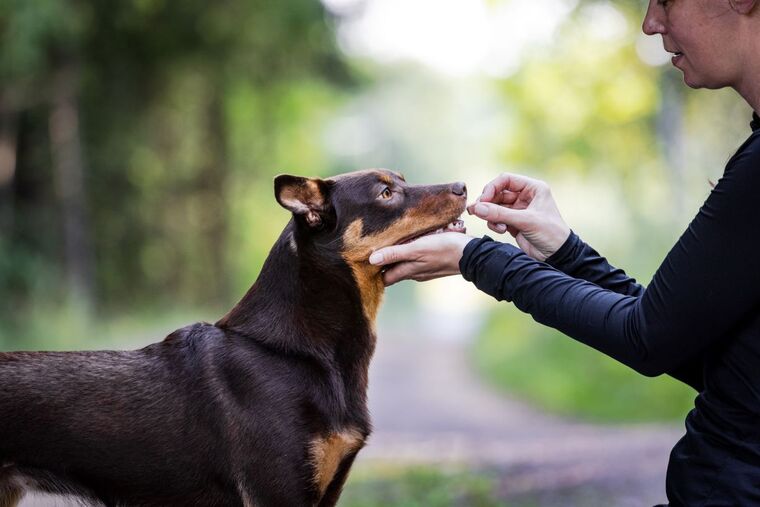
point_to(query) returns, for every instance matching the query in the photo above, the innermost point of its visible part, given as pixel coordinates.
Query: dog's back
(138, 413)
(181, 422)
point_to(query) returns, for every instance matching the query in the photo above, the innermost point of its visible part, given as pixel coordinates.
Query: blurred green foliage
(144, 137)
(543, 366)
(584, 104)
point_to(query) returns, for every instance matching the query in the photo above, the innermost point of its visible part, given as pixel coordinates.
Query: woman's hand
(525, 208)
(423, 259)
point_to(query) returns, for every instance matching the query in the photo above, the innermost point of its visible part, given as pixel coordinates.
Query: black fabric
(698, 320)
(755, 122)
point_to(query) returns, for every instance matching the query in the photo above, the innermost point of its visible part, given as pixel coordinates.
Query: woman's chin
(694, 81)
(691, 83)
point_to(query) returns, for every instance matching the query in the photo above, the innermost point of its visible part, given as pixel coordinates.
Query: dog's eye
(386, 193)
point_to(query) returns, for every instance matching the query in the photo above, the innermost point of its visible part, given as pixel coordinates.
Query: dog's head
(351, 215)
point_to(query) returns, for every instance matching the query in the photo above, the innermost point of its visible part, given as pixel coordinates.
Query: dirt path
(429, 407)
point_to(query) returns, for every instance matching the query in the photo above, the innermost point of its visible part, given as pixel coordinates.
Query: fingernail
(481, 209)
(376, 258)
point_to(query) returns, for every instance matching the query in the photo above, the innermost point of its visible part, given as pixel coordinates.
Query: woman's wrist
(565, 253)
(557, 237)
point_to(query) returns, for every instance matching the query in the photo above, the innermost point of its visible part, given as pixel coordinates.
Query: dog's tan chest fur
(328, 452)
(368, 279)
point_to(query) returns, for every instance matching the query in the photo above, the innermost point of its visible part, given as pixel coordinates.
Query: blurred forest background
(139, 140)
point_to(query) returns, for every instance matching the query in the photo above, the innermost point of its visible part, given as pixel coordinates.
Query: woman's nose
(653, 22)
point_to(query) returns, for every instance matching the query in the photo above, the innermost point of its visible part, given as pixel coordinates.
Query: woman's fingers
(505, 197)
(398, 273)
(401, 258)
(393, 254)
(510, 182)
(497, 228)
(508, 197)
(497, 214)
(428, 257)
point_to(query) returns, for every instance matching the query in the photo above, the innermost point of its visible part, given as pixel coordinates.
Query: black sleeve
(706, 285)
(577, 259)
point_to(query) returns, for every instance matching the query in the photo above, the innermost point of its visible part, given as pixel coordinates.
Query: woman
(698, 320)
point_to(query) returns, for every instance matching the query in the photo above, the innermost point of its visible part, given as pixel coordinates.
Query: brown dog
(267, 407)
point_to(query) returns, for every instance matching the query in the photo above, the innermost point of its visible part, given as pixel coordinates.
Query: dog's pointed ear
(306, 197)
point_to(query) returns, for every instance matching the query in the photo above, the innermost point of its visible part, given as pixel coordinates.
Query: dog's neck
(305, 304)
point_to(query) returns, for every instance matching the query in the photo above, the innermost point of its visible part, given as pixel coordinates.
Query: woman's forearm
(579, 260)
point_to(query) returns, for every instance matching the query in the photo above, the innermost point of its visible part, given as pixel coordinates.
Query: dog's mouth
(455, 226)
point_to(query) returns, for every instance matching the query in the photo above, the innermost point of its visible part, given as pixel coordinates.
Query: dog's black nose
(459, 188)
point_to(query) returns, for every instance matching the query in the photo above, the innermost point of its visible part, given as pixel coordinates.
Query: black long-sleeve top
(698, 320)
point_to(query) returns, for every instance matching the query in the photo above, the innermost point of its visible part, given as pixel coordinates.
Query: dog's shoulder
(193, 333)
(191, 336)
(184, 346)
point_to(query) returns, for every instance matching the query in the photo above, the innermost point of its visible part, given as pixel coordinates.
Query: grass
(557, 373)
(419, 486)
(393, 485)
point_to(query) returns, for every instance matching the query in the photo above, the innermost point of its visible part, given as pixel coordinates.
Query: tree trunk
(8, 153)
(214, 181)
(66, 153)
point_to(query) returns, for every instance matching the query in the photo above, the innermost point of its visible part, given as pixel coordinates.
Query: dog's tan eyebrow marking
(400, 176)
(386, 179)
